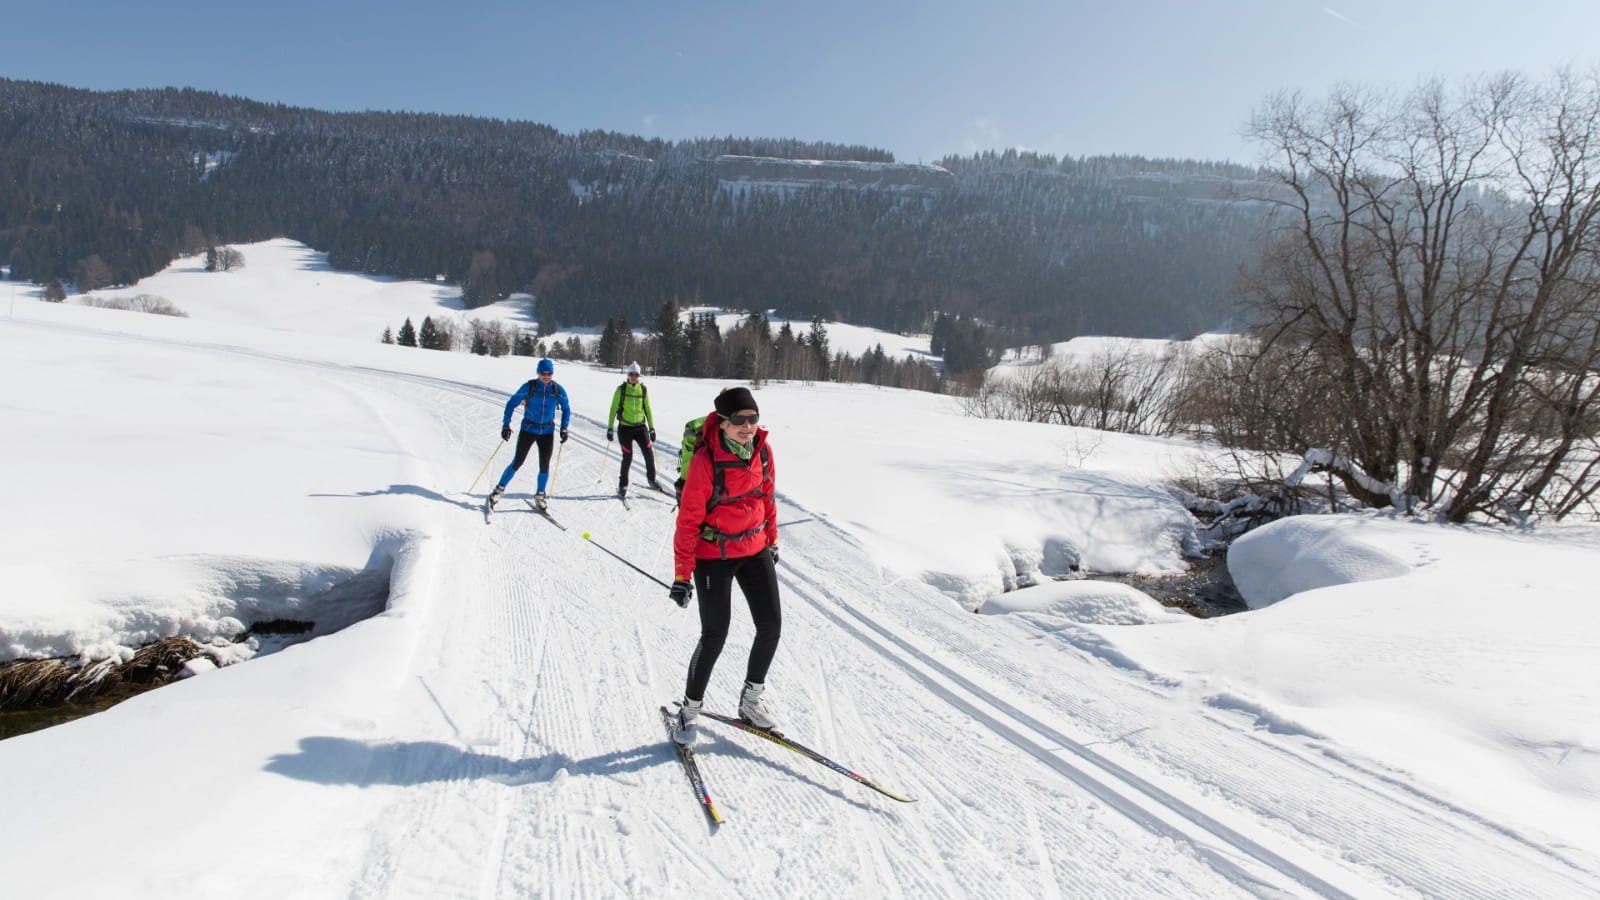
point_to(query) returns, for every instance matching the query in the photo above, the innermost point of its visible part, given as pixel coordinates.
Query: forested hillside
(107, 187)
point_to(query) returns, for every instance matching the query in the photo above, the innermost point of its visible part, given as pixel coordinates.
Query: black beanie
(732, 400)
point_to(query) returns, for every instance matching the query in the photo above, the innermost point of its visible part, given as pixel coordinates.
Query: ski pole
(486, 464)
(603, 458)
(557, 467)
(625, 562)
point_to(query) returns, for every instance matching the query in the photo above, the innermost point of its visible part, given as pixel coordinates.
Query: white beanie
(633, 368)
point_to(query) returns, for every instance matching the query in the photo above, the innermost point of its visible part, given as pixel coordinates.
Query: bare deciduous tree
(145, 303)
(1124, 387)
(194, 240)
(1434, 290)
(493, 338)
(91, 273)
(224, 259)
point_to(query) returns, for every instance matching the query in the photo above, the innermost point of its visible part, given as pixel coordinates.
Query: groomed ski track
(523, 754)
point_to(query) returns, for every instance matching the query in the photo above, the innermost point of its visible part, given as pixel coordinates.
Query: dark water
(1206, 590)
(22, 721)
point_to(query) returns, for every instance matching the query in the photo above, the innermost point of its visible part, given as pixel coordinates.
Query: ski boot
(750, 708)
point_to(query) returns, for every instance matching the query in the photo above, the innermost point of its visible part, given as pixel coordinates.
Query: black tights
(627, 436)
(713, 581)
(525, 441)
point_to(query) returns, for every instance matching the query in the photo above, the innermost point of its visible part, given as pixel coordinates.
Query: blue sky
(1146, 77)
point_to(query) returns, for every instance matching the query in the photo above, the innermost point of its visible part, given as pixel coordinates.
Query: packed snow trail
(922, 695)
(515, 749)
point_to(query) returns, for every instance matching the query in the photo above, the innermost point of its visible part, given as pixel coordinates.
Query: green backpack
(691, 439)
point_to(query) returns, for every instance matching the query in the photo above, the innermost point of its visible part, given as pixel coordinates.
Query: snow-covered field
(1409, 711)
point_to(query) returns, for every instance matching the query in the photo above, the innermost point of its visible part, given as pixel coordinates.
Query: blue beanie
(544, 366)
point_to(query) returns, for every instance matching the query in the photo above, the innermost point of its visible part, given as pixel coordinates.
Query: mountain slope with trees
(109, 187)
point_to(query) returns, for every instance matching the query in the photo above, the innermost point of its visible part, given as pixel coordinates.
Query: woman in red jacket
(727, 531)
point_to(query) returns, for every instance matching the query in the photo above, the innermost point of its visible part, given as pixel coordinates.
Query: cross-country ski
(691, 767)
(544, 513)
(790, 744)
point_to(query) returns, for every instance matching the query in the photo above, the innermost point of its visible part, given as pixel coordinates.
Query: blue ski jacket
(539, 402)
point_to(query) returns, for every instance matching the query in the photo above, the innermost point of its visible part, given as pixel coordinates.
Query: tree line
(694, 346)
(108, 187)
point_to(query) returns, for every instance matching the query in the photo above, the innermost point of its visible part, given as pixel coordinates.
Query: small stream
(1205, 591)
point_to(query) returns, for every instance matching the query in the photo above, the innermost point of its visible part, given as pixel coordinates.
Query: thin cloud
(983, 133)
(1338, 15)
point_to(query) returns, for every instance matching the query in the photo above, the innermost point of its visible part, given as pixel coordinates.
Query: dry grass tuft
(33, 684)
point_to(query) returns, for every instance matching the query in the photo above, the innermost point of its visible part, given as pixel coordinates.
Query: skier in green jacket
(635, 424)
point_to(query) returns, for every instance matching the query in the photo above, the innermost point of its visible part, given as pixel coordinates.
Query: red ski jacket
(727, 509)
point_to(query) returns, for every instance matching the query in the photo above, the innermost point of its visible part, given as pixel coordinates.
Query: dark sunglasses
(633, 374)
(743, 420)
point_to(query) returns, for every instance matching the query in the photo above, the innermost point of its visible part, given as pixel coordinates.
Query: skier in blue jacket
(538, 399)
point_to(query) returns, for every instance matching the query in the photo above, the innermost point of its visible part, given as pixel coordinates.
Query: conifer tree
(429, 338)
(408, 334)
(546, 314)
(669, 330)
(606, 352)
(818, 342)
(622, 346)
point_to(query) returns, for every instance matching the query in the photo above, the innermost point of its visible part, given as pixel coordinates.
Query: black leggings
(525, 440)
(713, 581)
(627, 436)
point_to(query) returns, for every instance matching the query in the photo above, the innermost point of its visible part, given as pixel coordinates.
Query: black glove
(774, 549)
(610, 435)
(563, 435)
(681, 592)
(505, 433)
(652, 435)
(677, 488)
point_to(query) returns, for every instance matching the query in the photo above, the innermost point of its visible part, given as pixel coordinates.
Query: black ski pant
(627, 436)
(525, 441)
(713, 582)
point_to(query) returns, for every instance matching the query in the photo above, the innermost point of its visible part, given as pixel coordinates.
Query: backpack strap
(555, 391)
(719, 480)
(622, 397)
(719, 495)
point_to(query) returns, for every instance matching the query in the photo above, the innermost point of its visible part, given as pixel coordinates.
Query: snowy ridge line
(1171, 817)
(464, 388)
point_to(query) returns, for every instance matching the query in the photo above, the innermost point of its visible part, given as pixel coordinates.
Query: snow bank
(1304, 553)
(1087, 602)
